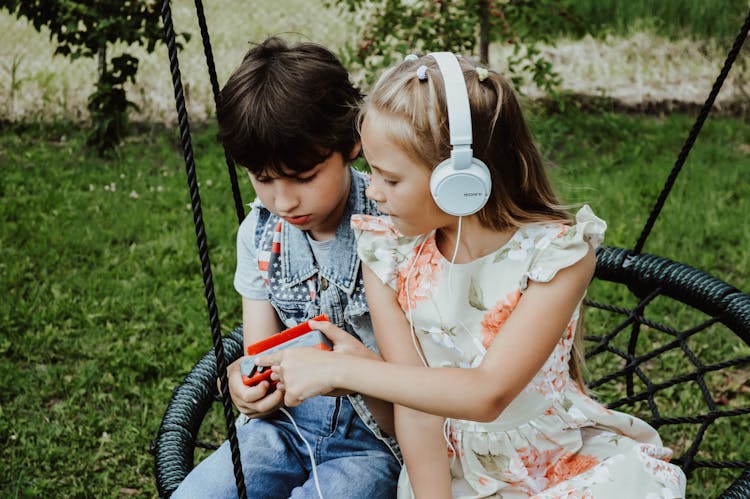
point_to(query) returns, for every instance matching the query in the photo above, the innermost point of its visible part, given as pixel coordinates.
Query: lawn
(103, 310)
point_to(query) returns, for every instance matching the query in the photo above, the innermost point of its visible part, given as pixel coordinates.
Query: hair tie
(422, 72)
(411, 57)
(482, 73)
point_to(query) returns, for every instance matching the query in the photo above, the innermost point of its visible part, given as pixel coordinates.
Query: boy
(288, 114)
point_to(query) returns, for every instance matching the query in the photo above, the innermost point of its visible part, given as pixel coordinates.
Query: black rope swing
(621, 348)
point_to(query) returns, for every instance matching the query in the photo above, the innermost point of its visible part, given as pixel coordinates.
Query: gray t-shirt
(321, 251)
(248, 280)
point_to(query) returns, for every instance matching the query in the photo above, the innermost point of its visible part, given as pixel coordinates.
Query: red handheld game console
(300, 335)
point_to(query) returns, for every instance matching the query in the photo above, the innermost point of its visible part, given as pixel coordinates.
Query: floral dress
(552, 441)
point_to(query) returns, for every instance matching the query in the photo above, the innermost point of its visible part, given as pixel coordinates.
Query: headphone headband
(461, 184)
(459, 110)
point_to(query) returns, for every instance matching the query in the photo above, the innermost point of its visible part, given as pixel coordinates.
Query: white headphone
(460, 184)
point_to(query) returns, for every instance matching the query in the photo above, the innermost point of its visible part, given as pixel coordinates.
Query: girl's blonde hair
(415, 113)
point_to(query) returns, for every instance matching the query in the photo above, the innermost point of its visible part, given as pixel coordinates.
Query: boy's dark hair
(286, 108)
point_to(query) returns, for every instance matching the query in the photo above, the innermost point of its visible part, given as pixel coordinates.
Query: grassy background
(676, 20)
(103, 310)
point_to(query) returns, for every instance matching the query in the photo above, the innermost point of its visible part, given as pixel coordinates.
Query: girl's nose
(373, 193)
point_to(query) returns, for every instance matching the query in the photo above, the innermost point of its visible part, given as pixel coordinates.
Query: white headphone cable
(408, 302)
(309, 450)
(446, 422)
(450, 272)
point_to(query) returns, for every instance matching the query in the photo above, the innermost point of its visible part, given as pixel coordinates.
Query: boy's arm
(259, 321)
(419, 435)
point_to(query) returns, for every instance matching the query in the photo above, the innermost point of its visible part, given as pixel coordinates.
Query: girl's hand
(301, 373)
(343, 342)
(306, 372)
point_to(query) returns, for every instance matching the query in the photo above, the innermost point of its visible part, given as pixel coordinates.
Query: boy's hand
(252, 401)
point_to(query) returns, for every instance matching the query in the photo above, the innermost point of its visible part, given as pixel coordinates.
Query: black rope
(217, 96)
(200, 234)
(693, 135)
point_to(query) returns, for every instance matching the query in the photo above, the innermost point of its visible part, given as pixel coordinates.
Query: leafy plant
(108, 105)
(393, 28)
(87, 29)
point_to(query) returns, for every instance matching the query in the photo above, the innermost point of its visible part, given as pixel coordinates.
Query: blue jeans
(351, 462)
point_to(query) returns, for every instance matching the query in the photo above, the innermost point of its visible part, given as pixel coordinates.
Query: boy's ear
(356, 150)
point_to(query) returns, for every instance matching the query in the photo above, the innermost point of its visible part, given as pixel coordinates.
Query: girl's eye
(262, 180)
(390, 182)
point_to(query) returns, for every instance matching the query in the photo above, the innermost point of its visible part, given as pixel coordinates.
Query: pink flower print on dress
(535, 463)
(568, 466)
(494, 319)
(422, 274)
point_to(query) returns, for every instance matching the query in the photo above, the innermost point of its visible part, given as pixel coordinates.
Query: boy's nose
(285, 199)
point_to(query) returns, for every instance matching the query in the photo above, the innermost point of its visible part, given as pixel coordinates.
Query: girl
(488, 302)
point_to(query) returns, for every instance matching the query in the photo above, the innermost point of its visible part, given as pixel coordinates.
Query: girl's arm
(419, 435)
(480, 394)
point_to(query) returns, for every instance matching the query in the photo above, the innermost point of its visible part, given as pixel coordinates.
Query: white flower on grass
(122, 176)
(209, 183)
(91, 187)
(134, 195)
(159, 188)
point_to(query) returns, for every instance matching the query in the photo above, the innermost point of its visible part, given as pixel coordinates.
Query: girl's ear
(356, 151)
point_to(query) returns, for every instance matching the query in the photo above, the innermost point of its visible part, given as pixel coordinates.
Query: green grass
(696, 19)
(618, 163)
(103, 310)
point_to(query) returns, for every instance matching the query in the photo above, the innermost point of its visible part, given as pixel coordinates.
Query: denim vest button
(323, 283)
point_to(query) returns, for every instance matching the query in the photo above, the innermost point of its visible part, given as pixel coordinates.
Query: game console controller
(300, 335)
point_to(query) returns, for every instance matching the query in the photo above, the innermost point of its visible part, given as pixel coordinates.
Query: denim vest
(299, 289)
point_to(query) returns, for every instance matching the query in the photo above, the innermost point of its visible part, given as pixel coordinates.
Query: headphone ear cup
(460, 192)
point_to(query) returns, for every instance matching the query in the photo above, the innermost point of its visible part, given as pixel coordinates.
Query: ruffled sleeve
(379, 246)
(562, 245)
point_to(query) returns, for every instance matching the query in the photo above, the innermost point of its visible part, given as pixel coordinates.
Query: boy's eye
(390, 182)
(263, 180)
(304, 180)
